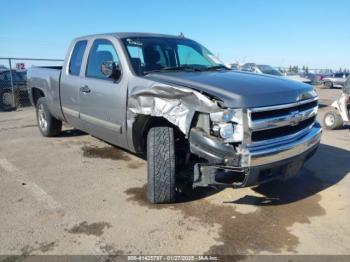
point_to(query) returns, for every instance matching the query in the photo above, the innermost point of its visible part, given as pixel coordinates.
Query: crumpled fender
(176, 104)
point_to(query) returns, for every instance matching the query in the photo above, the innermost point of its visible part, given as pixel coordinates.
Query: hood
(239, 89)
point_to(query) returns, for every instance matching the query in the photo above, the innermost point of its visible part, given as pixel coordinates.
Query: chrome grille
(278, 123)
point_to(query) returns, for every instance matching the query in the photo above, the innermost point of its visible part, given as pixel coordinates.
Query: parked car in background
(340, 112)
(297, 77)
(19, 81)
(170, 99)
(234, 66)
(334, 80)
(270, 70)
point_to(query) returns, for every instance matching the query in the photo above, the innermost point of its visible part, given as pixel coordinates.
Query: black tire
(161, 165)
(53, 126)
(328, 84)
(332, 120)
(6, 99)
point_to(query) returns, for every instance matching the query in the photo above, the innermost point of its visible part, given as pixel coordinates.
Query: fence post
(12, 87)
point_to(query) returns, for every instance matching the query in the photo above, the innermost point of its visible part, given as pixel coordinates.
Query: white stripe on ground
(40, 195)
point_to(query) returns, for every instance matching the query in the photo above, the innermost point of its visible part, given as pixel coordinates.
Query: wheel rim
(6, 99)
(42, 117)
(329, 120)
(328, 84)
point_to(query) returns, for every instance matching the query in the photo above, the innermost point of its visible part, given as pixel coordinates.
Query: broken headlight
(228, 125)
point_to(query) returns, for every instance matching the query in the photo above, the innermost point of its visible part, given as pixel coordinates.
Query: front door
(102, 99)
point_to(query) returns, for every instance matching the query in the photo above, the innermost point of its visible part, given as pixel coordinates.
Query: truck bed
(47, 79)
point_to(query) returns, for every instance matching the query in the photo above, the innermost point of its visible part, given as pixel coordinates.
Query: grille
(279, 122)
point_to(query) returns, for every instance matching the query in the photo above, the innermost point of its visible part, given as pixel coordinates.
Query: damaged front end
(212, 131)
(224, 139)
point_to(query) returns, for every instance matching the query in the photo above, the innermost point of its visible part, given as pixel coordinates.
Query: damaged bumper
(252, 165)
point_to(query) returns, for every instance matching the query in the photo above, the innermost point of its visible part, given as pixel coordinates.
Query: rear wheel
(161, 165)
(48, 125)
(332, 120)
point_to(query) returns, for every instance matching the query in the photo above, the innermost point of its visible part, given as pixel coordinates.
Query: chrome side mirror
(111, 70)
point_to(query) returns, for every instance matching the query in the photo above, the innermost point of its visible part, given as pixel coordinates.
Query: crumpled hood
(239, 89)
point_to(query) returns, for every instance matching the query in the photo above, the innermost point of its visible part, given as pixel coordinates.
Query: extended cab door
(102, 99)
(70, 83)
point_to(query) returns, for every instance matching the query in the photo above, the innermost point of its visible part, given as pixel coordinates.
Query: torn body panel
(176, 104)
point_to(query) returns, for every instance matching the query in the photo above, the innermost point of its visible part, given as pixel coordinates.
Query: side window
(77, 57)
(101, 51)
(188, 55)
(338, 75)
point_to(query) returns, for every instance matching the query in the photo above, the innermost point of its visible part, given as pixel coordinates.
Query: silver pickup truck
(170, 99)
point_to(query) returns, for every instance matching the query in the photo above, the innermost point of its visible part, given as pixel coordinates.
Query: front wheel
(332, 120)
(48, 125)
(161, 165)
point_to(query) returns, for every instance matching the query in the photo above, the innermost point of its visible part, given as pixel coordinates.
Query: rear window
(77, 57)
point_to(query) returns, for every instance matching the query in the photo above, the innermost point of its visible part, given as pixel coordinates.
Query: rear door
(71, 81)
(102, 99)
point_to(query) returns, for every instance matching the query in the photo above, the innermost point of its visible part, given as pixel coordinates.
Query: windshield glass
(266, 69)
(157, 54)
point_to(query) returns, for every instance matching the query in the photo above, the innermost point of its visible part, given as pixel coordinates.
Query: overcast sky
(281, 33)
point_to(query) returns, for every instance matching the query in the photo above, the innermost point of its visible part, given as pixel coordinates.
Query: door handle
(85, 89)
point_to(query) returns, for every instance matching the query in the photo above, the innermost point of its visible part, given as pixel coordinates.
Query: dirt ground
(75, 194)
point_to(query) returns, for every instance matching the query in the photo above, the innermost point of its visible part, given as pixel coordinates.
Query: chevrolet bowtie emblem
(295, 118)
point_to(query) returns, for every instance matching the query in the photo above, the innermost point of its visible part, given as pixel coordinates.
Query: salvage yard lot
(75, 194)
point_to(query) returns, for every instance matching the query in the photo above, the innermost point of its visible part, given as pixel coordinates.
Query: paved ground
(75, 194)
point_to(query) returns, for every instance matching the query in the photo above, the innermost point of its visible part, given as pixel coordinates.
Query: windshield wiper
(175, 68)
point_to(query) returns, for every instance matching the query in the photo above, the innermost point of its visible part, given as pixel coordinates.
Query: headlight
(228, 125)
(229, 115)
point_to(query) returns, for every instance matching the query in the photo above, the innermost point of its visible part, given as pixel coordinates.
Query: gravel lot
(75, 194)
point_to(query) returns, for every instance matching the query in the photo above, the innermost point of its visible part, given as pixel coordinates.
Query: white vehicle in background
(270, 70)
(334, 80)
(340, 114)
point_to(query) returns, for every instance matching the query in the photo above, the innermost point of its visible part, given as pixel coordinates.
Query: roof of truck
(133, 34)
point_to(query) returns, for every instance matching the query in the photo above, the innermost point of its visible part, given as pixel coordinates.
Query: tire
(6, 99)
(332, 120)
(48, 125)
(161, 165)
(328, 84)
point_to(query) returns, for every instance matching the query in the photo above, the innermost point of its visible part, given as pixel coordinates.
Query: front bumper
(251, 166)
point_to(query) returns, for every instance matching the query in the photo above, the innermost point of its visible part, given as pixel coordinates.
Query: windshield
(157, 54)
(266, 69)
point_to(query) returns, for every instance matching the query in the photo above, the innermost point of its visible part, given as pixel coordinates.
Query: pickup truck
(170, 99)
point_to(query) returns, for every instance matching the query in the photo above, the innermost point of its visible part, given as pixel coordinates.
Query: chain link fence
(13, 80)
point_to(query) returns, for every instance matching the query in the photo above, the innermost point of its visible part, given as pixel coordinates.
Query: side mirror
(111, 70)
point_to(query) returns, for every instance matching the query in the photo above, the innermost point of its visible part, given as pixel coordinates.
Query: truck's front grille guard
(288, 119)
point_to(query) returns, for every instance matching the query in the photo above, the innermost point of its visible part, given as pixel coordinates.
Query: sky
(315, 33)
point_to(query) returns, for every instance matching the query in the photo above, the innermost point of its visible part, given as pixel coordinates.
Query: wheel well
(143, 124)
(36, 94)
